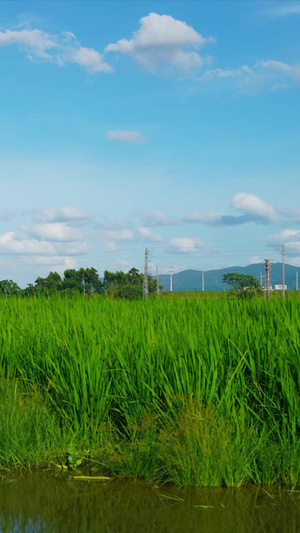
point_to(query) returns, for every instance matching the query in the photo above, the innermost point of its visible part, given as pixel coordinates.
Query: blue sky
(172, 125)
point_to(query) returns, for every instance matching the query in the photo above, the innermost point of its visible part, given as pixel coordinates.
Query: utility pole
(283, 276)
(296, 281)
(268, 285)
(171, 279)
(203, 280)
(261, 277)
(157, 282)
(146, 289)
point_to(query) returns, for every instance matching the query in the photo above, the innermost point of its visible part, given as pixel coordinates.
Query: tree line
(85, 281)
(114, 284)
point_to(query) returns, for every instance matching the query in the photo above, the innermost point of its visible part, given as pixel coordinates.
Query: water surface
(57, 503)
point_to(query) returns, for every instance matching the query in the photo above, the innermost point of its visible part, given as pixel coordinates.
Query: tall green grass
(192, 391)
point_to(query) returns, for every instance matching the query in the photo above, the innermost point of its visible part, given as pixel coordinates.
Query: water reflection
(58, 503)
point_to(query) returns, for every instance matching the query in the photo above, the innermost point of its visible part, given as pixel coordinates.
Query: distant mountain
(191, 280)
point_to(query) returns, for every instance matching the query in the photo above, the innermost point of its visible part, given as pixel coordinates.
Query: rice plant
(193, 391)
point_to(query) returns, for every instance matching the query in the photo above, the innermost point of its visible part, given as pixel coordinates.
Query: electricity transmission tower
(268, 285)
(146, 288)
(283, 276)
(171, 279)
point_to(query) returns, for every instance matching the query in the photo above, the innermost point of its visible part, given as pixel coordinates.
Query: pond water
(48, 502)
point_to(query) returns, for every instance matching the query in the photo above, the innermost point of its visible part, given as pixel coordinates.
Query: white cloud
(255, 210)
(59, 214)
(14, 244)
(124, 136)
(122, 263)
(292, 213)
(186, 244)
(35, 41)
(254, 259)
(113, 237)
(61, 49)
(7, 214)
(89, 59)
(149, 235)
(272, 64)
(110, 246)
(161, 43)
(284, 236)
(156, 218)
(290, 238)
(209, 218)
(253, 205)
(295, 261)
(268, 75)
(55, 231)
(121, 235)
(293, 247)
(284, 9)
(55, 262)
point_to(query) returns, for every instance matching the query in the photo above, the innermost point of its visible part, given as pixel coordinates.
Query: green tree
(84, 280)
(92, 283)
(30, 290)
(8, 287)
(128, 286)
(72, 280)
(52, 283)
(242, 284)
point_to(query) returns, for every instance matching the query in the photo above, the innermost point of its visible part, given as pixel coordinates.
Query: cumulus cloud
(63, 48)
(88, 58)
(148, 234)
(125, 136)
(186, 244)
(290, 238)
(163, 43)
(11, 243)
(284, 236)
(255, 206)
(113, 237)
(59, 214)
(255, 210)
(55, 231)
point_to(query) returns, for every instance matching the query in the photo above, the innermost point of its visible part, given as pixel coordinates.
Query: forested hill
(191, 280)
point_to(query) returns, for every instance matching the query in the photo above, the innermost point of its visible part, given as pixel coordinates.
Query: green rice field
(196, 392)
